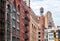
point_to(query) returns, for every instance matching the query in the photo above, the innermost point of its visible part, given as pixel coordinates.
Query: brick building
(24, 22)
(14, 20)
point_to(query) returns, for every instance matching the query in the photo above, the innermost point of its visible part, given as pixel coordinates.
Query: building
(10, 20)
(14, 20)
(24, 22)
(45, 34)
(33, 26)
(53, 34)
(42, 24)
(49, 20)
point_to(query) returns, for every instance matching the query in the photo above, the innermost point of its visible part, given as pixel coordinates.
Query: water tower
(41, 11)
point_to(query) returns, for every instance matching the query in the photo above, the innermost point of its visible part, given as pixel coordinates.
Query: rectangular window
(18, 32)
(38, 32)
(13, 23)
(13, 31)
(0, 25)
(18, 39)
(13, 15)
(39, 36)
(13, 38)
(8, 18)
(8, 37)
(18, 26)
(38, 40)
(18, 17)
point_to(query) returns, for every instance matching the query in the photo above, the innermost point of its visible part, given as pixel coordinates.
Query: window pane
(0, 25)
(18, 17)
(13, 22)
(13, 15)
(18, 26)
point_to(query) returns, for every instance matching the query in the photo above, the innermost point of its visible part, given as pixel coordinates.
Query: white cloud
(48, 5)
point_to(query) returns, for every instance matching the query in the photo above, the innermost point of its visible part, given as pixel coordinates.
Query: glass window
(18, 17)
(32, 25)
(14, 6)
(13, 38)
(0, 25)
(38, 40)
(19, 8)
(13, 15)
(18, 39)
(18, 26)
(13, 22)
(13, 31)
(8, 8)
(18, 32)
(38, 32)
(39, 36)
(8, 37)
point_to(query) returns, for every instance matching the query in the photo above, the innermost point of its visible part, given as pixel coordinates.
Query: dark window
(18, 39)
(38, 40)
(13, 31)
(18, 17)
(19, 8)
(0, 25)
(8, 37)
(18, 32)
(13, 23)
(8, 8)
(38, 32)
(32, 25)
(14, 38)
(39, 36)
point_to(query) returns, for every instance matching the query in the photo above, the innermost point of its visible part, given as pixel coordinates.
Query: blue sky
(48, 5)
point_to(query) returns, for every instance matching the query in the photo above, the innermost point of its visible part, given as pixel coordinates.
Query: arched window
(19, 8)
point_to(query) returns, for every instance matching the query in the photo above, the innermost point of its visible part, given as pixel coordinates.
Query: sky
(49, 5)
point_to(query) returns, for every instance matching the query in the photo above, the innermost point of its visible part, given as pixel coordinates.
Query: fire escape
(2, 20)
(26, 23)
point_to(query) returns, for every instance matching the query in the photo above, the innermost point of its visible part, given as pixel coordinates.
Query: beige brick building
(33, 27)
(49, 20)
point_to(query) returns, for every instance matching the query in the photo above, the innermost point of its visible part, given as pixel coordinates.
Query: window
(13, 31)
(1, 13)
(8, 27)
(38, 40)
(18, 17)
(39, 36)
(18, 32)
(8, 18)
(14, 6)
(13, 22)
(18, 26)
(32, 25)
(18, 39)
(13, 14)
(13, 38)
(18, 8)
(8, 8)
(8, 37)
(38, 32)
(0, 25)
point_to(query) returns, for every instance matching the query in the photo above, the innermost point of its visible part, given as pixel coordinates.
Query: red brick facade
(24, 22)
(23, 10)
(42, 27)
